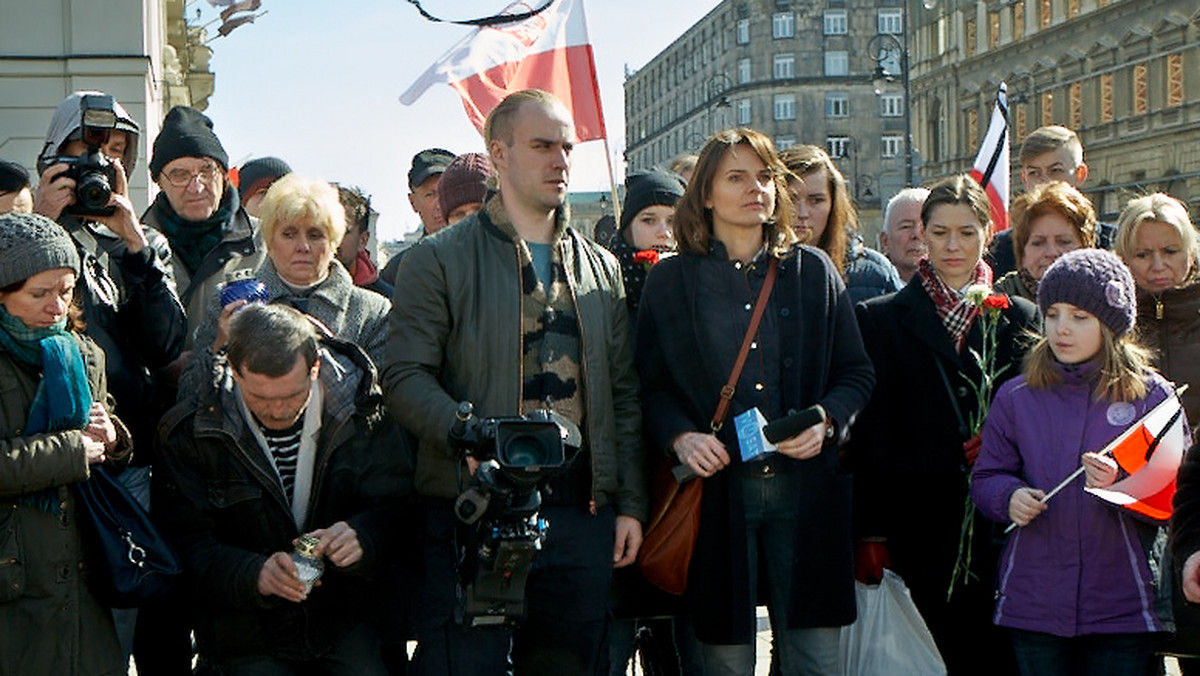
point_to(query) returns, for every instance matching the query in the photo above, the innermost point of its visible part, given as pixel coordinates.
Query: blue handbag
(129, 562)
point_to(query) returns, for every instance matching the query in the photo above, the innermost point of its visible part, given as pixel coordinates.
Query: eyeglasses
(181, 178)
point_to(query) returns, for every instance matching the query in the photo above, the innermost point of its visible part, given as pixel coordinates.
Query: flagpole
(612, 183)
(1108, 451)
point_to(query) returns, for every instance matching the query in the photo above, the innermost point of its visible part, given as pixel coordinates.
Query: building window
(743, 112)
(1075, 105)
(1047, 109)
(1106, 98)
(837, 63)
(972, 130)
(1045, 14)
(1019, 20)
(972, 42)
(993, 29)
(785, 106)
(743, 71)
(1174, 80)
(837, 146)
(890, 22)
(837, 105)
(784, 142)
(784, 66)
(1022, 121)
(1141, 98)
(743, 31)
(891, 105)
(1072, 9)
(891, 146)
(783, 25)
(835, 22)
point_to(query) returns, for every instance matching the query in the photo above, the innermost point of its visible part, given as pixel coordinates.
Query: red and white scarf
(957, 312)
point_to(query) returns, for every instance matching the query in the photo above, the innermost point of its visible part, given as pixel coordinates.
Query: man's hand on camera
(55, 192)
(124, 221)
(628, 542)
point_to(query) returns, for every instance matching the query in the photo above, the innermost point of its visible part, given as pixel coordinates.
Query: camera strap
(760, 306)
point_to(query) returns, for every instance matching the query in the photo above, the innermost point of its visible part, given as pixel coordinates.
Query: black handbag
(128, 561)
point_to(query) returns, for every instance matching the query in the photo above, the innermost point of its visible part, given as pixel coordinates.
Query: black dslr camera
(501, 530)
(94, 174)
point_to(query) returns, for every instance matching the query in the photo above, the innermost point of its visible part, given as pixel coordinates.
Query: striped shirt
(285, 450)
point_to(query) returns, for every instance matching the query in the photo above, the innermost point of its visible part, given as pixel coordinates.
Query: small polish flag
(1151, 452)
(991, 168)
(549, 51)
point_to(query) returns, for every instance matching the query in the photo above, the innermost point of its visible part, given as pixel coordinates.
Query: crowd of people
(950, 373)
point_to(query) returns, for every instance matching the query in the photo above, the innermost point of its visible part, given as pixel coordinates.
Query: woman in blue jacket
(1075, 587)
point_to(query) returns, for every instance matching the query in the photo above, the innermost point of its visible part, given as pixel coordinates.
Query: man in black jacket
(288, 440)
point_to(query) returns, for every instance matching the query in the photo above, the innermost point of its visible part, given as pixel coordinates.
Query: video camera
(94, 174)
(501, 529)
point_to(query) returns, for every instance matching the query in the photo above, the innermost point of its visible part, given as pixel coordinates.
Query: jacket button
(962, 391)
(787, 362)
(784, 312)
(747, 307)
(759, 386)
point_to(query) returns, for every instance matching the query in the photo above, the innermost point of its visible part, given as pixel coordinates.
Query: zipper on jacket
(1158, 307)
(592, 505)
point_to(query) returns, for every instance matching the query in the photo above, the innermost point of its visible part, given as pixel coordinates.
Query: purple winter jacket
(1081, 566)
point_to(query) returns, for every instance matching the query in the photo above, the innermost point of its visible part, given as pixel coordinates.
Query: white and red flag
(992, 166)
(549, 50)
(1150, 451)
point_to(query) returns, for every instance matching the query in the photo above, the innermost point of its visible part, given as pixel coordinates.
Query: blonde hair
(1158, 207)
(693, 221)
(1122, 376)
(1056, 197)
(294, 199)
(499, 122)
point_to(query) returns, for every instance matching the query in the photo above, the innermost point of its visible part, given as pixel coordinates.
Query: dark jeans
(670, 642)
(566, 595)
(355, 655)
(1090, 655)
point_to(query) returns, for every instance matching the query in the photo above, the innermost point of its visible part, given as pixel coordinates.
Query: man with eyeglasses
(199, 212)
(129, 304)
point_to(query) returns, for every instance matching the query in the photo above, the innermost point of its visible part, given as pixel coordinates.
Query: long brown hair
(1124, 365)
(805, 160)
(693, 221)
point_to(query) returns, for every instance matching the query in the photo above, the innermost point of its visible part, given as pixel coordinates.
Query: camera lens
(93, 191)
(525, 450)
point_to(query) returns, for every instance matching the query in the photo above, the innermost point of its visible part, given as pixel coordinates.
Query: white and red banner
(549, 50)
(992, 165)
(1150, 452)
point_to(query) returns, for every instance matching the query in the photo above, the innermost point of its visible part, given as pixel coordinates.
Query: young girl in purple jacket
(1075, 587)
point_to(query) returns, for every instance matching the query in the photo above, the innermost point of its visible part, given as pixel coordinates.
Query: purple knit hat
(1094, 280)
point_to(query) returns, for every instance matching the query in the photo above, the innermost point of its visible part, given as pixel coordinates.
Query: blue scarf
(63, 399)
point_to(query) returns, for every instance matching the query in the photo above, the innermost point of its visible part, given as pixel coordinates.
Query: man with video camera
(514, 312)
(127, 296)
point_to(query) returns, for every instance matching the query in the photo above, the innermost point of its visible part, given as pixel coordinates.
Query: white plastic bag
(889, 638)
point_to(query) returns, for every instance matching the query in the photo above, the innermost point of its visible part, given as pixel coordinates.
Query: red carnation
(997, 301)
(646, 257)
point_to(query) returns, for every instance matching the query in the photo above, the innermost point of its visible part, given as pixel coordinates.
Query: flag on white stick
(549, 51)
(1150, 452)
(992, 166)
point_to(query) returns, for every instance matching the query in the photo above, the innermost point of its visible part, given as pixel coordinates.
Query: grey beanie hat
(32, 243)
(1094, 280)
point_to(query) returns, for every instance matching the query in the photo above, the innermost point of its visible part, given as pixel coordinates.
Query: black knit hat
(1094, 280)
(186, 132)
(260, 173)
(13, 177)
(32, 243)
(647, 189)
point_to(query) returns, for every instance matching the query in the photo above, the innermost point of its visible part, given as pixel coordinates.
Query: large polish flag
(992, 166)
(549, 50)
(1150, 451)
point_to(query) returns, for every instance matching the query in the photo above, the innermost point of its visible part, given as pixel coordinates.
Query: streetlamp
(718, 84)
(881, 48)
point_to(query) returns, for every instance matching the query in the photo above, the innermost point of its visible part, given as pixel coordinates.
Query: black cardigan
(682, 371)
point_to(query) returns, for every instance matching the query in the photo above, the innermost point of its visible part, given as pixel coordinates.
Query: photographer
(129, 305)
(514, 311)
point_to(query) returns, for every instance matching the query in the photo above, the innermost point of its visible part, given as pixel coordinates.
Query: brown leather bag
(666, 552)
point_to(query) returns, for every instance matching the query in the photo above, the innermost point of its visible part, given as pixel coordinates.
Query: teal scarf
(63, 399)
(193, 240)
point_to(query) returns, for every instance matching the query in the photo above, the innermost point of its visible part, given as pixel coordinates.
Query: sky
(318, 84)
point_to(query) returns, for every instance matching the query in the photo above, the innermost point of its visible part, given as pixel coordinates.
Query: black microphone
(788, 427)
